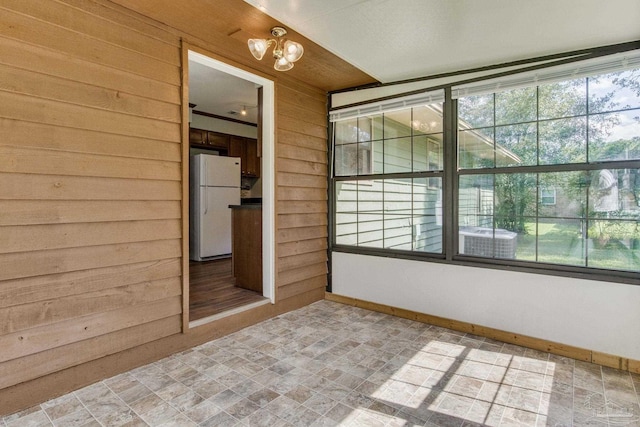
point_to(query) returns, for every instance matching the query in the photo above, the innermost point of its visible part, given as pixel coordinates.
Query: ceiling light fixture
(243, 112)
(285, 53)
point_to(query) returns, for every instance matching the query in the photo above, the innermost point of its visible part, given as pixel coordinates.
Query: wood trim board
(559, 349)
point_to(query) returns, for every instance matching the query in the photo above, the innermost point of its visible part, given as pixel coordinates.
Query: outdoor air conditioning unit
(486, 242)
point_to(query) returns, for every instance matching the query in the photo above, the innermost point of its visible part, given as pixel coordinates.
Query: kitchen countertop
(249, 200)
(247, 206)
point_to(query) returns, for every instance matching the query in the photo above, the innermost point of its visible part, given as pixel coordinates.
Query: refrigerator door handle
(206, 193)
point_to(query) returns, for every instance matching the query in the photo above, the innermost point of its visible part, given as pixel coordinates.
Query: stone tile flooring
(331, 364)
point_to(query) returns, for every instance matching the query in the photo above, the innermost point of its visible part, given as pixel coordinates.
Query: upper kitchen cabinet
(218, 140)
(208, 139)
(197, 136)
(247, 150)
(253, 158)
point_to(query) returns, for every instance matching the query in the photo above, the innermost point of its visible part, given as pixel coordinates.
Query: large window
(549, 173)
(540, 175)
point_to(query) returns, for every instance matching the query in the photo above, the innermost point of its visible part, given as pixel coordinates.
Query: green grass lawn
(561, 242)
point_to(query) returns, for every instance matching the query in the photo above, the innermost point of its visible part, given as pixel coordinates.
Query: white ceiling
(222, 94)
(393, 40)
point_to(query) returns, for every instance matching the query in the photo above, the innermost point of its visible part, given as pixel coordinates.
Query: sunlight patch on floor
(468, 382)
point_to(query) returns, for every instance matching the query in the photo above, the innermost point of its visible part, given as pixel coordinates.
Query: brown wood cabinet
(197, 136)
(253, 158)
(207, 139)
(218, 140)
(247, 150)
(246, 249)
(236, 148)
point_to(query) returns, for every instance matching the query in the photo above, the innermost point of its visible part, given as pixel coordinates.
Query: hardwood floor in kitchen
(212, 289)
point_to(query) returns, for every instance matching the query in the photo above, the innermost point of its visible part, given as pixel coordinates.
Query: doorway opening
(231, 156)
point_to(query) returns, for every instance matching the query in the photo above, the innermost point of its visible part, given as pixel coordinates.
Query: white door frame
(268, 162)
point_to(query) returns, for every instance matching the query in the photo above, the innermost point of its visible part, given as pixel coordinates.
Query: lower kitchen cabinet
(246, 250)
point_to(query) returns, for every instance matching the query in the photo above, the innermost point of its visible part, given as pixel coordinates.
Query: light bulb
(258, 47)
(243, 112)
(293, 51)
(282, 64)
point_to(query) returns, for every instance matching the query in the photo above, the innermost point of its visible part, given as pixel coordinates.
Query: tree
(545, 125)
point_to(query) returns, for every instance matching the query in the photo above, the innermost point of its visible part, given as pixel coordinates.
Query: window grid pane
(398, 214)
(401, 213)
(584, 217)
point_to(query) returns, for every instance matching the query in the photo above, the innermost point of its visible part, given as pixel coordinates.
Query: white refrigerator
(215, 184)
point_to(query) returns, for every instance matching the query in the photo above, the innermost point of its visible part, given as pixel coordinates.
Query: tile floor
(331, 364)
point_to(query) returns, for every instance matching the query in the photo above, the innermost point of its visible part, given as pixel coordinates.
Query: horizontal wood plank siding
(29, 212)
(59, 358)
(66, 15)
(25, 316)
(91, 191)
(37, 161)
(91, 47)
(40, 136)
(27, 108)
(292, 234)
(40, 85)
(42, 237)
(63, 332)
(314, 284)
(293, 261)
(56, 187)
(302, 206)
(38, 263)
(301, 192)
(20, 292)
(90, 186)
(59, 64)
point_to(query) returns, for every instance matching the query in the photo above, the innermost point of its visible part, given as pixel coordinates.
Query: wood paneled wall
(89, 186)
(91, 193)
(301, 193)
